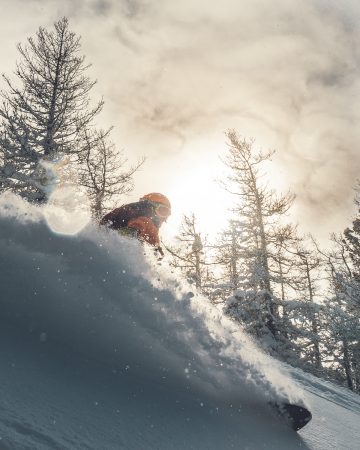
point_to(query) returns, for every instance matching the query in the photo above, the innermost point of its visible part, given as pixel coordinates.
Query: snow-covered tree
(342, 337)
(258, 211)
(309, 272)
(282, 242)
(229, 249)
(190, 254)
(351, 242)
(296, 269)
(45, 110)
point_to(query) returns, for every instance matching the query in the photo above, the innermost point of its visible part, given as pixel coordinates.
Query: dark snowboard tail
(296, 416)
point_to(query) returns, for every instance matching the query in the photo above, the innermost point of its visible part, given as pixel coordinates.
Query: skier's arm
(113, 219)
(147, 231)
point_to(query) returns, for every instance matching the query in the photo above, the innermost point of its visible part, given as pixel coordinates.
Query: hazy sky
(176, 74)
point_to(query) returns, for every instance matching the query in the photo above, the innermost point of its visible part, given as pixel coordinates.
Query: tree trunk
(314, 321)
(347, 364)
(49, 140)
(234, 277)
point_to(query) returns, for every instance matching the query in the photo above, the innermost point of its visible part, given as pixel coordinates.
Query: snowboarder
(141, 219)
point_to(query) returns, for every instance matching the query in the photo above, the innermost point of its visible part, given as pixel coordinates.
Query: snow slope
(103, 348)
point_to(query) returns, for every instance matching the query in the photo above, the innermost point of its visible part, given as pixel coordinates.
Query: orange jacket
(146, 230)
(138, 216)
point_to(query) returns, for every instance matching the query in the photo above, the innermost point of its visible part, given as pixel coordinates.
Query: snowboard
(296, 416)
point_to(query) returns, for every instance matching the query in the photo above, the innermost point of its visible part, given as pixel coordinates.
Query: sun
(202, 195)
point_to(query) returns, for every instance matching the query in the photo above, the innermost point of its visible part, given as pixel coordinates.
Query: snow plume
(105, 298)
(68, 209)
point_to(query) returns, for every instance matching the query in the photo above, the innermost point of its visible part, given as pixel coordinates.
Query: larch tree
(189, 254)
(235, 272)
(342, 315)
(258, 210)
(301, 322)
(309, 272)
(229, 249)
(103, 172)
(45, 110)
(349, 284)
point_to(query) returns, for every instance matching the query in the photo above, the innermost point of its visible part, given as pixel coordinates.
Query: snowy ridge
(103, 348)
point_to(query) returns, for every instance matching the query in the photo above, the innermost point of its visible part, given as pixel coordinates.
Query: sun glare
(199, 194)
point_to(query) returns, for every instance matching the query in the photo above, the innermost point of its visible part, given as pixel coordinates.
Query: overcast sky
(176, 74)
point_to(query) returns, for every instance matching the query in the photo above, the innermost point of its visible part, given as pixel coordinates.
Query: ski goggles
(161, 210)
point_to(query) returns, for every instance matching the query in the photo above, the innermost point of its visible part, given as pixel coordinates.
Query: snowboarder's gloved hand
(159, 252)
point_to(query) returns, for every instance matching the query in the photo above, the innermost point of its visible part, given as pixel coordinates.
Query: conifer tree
(189, 255)
(258, 210)
(229, 251)
(45, 110)
(309, 266)
(103, 172)
(343, 314)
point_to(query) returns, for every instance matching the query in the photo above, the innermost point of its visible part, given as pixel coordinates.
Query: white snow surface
(103, 347)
